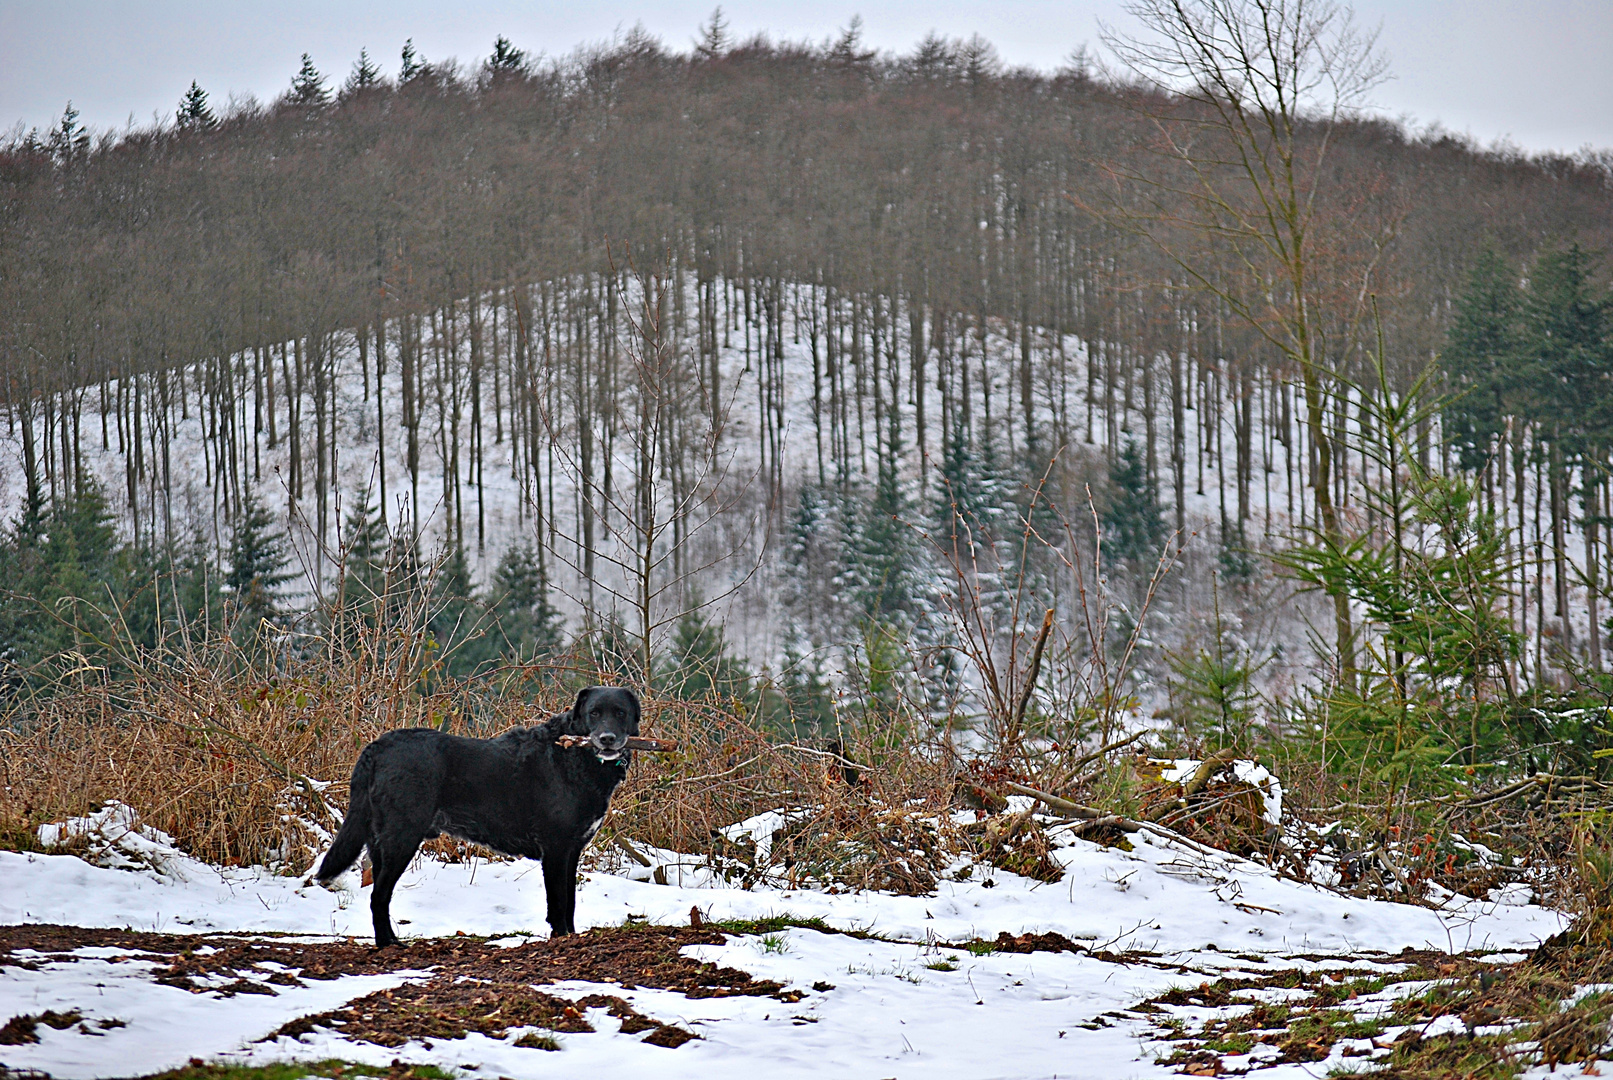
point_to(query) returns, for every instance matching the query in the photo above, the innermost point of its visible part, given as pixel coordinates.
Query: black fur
(519, 793)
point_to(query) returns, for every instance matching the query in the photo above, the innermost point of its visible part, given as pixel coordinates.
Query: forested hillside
(1137, 504)
(637, 331)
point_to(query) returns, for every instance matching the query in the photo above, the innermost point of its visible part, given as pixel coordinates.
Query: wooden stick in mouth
(636, 742)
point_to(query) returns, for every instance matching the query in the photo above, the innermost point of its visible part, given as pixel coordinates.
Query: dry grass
(236, 764)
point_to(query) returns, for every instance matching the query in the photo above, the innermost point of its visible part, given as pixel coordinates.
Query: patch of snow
(759, 830)
(1245, 771)
(134, 1026)
(890, 1012)
(113, 837)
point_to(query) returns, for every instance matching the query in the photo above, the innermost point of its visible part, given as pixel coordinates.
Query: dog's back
(424, 782)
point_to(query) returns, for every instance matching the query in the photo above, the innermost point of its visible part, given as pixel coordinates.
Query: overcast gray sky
(1538, 74)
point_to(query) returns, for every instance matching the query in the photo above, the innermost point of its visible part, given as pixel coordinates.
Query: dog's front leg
(560, 883)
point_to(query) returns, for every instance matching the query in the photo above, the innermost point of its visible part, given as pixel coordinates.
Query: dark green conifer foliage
(68, 586)
(699, 665)
(714, 41)
(974, 498)
(453, 577)
(364, 74)
(308, 88)
(69, 140)
(1567, 356)
(412, 63)
(880, 553)
(406, 599)
(1481, 354)
(364, 557)
(530, 624)
(1133, 521)
(258, 559)
(808, 698)
(172, 597)
(458, 623)
(506, 58)
(1214, 693)
(62, 576)
(193, 113)
(1237, 560)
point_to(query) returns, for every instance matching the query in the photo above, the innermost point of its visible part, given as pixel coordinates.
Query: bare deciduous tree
(1249, 96)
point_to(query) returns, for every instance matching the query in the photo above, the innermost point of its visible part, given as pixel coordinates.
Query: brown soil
(473, 986)
(1029, 943)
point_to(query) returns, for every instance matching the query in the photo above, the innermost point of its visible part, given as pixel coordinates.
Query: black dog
(520, 793)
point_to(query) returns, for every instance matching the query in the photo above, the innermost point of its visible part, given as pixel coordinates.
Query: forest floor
(1156, 961)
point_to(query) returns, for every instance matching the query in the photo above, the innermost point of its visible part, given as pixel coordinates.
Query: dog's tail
(350, 838)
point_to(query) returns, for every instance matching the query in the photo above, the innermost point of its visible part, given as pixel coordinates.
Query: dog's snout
(610, 740)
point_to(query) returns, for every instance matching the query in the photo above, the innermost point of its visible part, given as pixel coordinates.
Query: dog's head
(607, 715)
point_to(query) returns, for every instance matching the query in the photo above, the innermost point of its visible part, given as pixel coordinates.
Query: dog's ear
(637, 712)
(579, 724)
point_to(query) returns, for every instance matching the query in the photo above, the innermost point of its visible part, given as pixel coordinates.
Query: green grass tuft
(773, 924)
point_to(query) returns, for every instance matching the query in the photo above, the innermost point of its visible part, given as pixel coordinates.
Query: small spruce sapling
(1133, 522)
(258, 559)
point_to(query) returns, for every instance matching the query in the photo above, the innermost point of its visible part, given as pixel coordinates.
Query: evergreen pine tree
(975, 499)
(193, 113)
(1481, 359)
(880, 557)
(531, 624)
(258, 559)
(1569, 360)
(412, 63)
(308, 86)
(453, 576)
(364, 74)
(506, 58)
(364, 555)
(405, 583)
(69, 140)
(713, 42)
(699, 665)
(61, 575)
(1133, 522)
(808, 696)
(172, 593)
(459, 623)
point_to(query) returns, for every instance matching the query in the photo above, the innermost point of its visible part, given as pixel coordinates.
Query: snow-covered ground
(909, 1001)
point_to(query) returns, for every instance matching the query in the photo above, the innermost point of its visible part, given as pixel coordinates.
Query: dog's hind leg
(389, 861)
(560, 884)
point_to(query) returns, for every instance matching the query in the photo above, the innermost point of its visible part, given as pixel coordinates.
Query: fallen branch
(1194, 784)
(1388, 864)
(635, 742)
(1207, 768)
(841, 758)
(1063, 806)
(633, 853)
(1092, 819)
(1107, 821)
(1007, 830)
